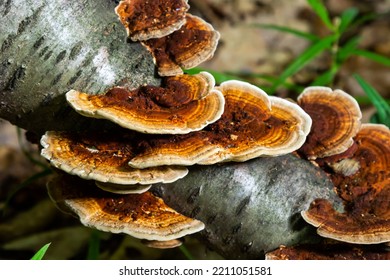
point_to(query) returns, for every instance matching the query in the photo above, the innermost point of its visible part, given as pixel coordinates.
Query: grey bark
(253, 207)
(49, 47)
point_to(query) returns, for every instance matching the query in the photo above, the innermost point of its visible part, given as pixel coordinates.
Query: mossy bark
(49, 47)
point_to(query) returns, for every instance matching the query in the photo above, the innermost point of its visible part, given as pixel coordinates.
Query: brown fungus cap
(144, 20)
(336, 120)
(182, 104)
(143, 216)
(102, 157)
(194, 43)
(332, 251)
(252, 125)
(352, 227)
(366, 193)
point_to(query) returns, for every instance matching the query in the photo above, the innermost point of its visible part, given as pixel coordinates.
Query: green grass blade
(320, 9)
(373, 56)
(326, 78)
(308, 55)
(41, 253)
(94, 245)
(298, 33)
(186, 252)
(382, 107)
(347, 49)
(347, 18)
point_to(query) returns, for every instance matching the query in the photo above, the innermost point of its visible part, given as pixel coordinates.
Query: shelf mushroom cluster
(357, 158)
(176, 39)
(188, 120)
(161, 131)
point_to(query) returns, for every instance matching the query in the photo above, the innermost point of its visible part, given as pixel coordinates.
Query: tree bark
(49, 47)
(251, 208)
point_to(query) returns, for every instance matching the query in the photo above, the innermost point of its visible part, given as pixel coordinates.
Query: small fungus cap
(182, 104)
(143, 216)
(336, 120)
(102, 158)
(194, 43)
(252, 125)
(144, 20)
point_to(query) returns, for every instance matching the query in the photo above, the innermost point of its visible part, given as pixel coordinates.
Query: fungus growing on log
(144, 20)
(194, 43)
(182, 104)
(366, 193)
(336, 120)
(143, 216)
(103, 158)
(252, 125)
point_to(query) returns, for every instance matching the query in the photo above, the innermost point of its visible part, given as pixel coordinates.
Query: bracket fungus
(194, 43)
(143, 216)
(182, 104)
(366, 193)
(252, 125)
(176, 39)
(336, 120)
(102, 158)
(144, 20)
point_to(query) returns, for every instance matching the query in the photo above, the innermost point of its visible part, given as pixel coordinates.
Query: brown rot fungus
(182, 104)
(365, 192)
(144, 20)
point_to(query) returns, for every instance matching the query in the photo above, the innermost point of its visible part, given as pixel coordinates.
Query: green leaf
(308, 55)
(41, 253)
(320, 9)
(347, 18)
(326, 78)
(347, 49)
(373, 56)
(382, 107)
(94, 245)
(304, 35)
